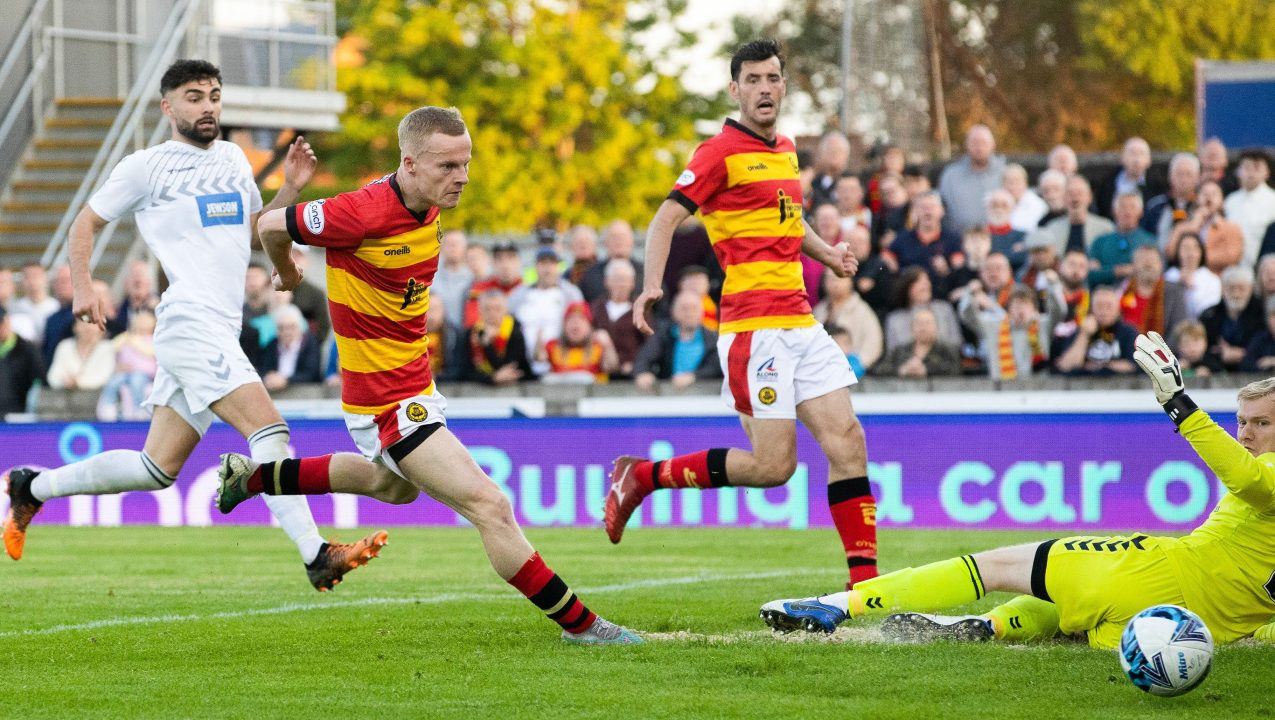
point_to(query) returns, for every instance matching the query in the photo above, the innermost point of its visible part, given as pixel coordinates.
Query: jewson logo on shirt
(220, 209)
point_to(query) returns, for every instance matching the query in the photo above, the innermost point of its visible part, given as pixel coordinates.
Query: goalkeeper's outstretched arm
(1251, 479)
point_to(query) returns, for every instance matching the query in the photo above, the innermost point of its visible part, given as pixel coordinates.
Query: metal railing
(292, 41)
(26, 36)
(126, 124)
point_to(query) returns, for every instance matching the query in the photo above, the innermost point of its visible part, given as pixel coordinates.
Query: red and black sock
(293, 476)
(547, 591)
(704, 469)
(854, 512)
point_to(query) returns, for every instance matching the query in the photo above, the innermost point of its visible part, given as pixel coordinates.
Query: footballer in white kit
(195, 202)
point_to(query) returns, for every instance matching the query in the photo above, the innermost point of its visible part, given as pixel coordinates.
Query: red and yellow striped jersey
(747, 191)
(381, 259)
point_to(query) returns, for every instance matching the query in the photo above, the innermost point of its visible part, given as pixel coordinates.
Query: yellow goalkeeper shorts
(1100, 583)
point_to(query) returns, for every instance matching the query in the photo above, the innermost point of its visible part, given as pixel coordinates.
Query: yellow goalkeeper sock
(1023, 619)
(936, 586)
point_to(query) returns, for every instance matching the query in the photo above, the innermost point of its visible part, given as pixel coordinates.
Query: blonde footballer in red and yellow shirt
(382, 251)
(779, 364)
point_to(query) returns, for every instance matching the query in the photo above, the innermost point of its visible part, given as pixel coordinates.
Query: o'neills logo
(759, 166)
(405, 250)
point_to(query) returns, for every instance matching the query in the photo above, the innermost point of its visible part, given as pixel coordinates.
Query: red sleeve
(331, 223)
(703, 178)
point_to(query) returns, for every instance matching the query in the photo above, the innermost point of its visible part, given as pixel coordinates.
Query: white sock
(269, 444)
(114, 471)
(839, 600)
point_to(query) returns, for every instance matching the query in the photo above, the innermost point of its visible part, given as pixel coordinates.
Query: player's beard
(200, 134)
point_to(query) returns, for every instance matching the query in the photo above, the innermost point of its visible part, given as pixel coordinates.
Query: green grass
(389, 644)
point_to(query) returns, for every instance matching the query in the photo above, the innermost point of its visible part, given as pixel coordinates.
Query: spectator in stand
(135, 366)
(618, 240)
(1223, 239)
(614, 314)
(850, 203)
(1111, 255)
(1265, 277)
(874, 280)
(913, 290)
(540, 308)
(924, 354)
(1103, 344)
(1073, 278)
(1190, 342)
(1041, 275)
(1260, 354)
(695, 279)
(1053, 190)
(309, 298)
(20, 324)
(832, 159)
(293, 357)
(445, 339)
(930, 245)
(20, 368)
(258, 293)
(478, 260)
(58, 326)
(506, 278)
(1014, 341)
(827, 223)
(140, 295)
(1078, 228)
(35, 302)
(1005, 239)
(988, 297)
(1215, 166)
(1029, 208)
(583, 242)
(1135, 162)
(976, 245)
(843, 308)
(1063, 159)
(845, 341)
(84, 361)
(495, 352)
(1252, 207)
(1232, 323)
(916, 181)
(1148, 302)
(966, 182)
(1166, 211)
(681, 350)
(893, 162)
(581, 355)
(454, 278)
(893, 218)
(1203, 288)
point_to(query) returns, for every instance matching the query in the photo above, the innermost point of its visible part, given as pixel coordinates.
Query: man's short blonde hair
(1258, 390)
(416, 127)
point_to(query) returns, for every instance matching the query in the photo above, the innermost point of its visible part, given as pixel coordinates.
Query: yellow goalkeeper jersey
(1227, 565)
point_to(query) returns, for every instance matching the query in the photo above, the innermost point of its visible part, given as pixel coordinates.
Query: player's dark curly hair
(183, 71)
(754, 51)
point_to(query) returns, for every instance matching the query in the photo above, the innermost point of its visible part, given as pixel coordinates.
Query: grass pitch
(220, 622)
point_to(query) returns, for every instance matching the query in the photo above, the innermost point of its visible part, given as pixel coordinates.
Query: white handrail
(22, 38)
(25, 35)
(125, 124)
(20, 100)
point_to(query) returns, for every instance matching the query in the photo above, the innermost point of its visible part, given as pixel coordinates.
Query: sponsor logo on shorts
(766, 396)
(416, 412)
(314, 220)
(405, 250)
(686, 178)
(220, 209)
(766, 372)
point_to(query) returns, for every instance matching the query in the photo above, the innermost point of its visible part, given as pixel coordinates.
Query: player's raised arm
(298, 168)
(272, 228)
(839, 259)
(1235, 462)
(659, 238)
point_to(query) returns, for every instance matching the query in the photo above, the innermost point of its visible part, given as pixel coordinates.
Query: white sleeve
(125, 191)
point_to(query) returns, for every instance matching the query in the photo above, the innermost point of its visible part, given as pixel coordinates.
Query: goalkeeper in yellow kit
(1224, 571)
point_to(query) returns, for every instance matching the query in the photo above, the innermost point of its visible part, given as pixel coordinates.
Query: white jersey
(193, 208)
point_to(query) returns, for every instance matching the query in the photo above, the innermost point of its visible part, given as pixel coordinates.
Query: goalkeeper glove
(1155, 358)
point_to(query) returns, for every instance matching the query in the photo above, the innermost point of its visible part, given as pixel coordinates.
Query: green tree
(570, 122)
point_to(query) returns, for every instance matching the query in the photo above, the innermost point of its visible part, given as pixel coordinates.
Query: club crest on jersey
(314, 220)
(766, 372)
(220, 209)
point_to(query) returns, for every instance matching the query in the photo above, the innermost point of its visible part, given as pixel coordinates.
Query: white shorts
(768, 373)
(200, 362)
(375, 434)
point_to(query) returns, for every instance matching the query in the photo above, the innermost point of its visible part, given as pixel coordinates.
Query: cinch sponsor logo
(758, 166)
(220, 209)
(405, 250)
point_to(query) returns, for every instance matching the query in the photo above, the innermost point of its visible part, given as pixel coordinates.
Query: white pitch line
(421, 600)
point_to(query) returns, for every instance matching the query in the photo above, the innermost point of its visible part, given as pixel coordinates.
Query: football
(1166, 650)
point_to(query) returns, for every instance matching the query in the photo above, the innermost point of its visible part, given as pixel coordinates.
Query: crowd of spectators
(985, 272)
